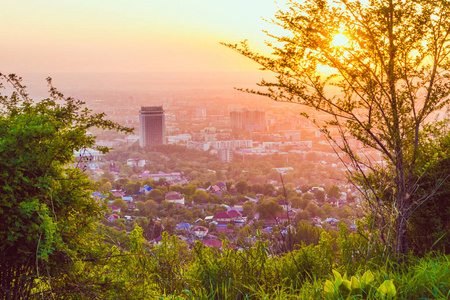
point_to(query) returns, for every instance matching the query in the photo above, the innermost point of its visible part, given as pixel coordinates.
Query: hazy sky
(130, 35)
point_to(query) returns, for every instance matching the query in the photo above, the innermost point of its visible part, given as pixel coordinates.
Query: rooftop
(152, 108)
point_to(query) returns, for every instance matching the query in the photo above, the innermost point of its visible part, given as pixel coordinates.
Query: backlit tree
(389, 63)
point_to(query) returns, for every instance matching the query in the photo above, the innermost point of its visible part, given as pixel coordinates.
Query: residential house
(316, 220)
(97, 195)
(225, 230)
(222, 186)
(279, 219)
(131, 206)
(127, 198)
(239, 222)
(212, 243)
(145, 189)
(215, 190)
(183, 226)
(175, 197)
(135, 162)
(118, 193)
(112, 217)
(222, 217)
(97, 171)
(114, 208)
(284, 204)
(332, 221)
(333, 201)
(234, 214)
(283, 217)
(200, 231)
(254, 200)
(239, 206)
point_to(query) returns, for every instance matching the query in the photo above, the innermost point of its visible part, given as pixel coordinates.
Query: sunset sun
(339, 40)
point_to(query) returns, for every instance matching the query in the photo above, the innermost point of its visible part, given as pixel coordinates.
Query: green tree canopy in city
(268, 210)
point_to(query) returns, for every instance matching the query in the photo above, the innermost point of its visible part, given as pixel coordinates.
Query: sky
(76, 36)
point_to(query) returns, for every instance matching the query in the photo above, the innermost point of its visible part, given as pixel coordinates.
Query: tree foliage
(241, 186)
(386, 83)
(45, 202)
(120, 203)
(268, 210)
(429, 228)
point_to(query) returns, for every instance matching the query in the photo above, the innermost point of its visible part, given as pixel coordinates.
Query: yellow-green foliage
(361, 287)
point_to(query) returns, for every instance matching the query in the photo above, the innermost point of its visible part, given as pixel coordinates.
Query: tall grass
(166, 272)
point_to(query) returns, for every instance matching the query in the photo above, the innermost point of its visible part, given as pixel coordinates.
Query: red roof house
(234, 214)
(222, 216)
(212, 243)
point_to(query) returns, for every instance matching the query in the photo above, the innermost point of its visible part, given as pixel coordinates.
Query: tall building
(248, 119)
(152, 126)
(225, 155)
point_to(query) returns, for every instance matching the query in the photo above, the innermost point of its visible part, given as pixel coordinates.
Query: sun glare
(339, 40)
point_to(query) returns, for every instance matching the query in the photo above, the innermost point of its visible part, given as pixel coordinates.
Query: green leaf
(355, 283)
(347, 285)
(387, 290)
(329, 287)
(337, 278)
(367, 277)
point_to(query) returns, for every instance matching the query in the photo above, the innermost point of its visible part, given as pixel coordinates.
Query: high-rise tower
(248, 119)
(152, 126)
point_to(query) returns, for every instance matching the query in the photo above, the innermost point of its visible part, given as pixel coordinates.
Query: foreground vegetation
(126, 267)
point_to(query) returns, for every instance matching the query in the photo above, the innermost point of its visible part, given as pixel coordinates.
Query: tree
(269, 189)
(344, 212)
(334, 191)
(248, 209)
(127, 170)
(156, 195)
(121, 204)
(45, 200)
(229, 184)
(314, 210)
(176, 188)
(430, 225)
(296, 202)
(148, 208)
(162, 188)
(134, 178)
(190, 190)
(109, 175)
(241, 186)
(302, 215)
(121, 183)
(152, 230)
(201, 197)
(308, 234)
(385, 83)
(132, 188)
(269, 210)
(305, 188)
(212, 227)
(106, 187)
(307, 196)
(319, 195)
